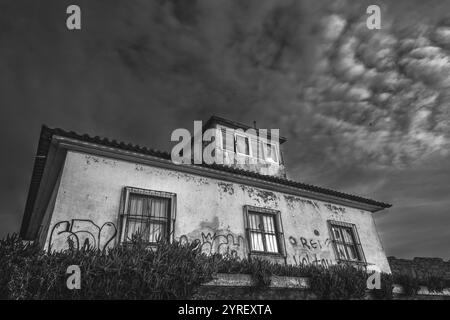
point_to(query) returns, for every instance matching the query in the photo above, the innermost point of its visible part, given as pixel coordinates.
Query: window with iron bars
(264, 231)
(346, 243)
(147, 214)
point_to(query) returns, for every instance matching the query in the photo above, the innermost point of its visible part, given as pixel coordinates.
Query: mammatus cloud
(381, 98)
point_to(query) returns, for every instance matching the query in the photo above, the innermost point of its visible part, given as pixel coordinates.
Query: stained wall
(209, 211)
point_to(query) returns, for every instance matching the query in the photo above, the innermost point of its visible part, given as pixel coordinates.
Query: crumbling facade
(99, 192)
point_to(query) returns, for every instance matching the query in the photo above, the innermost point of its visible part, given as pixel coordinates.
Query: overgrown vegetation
(335, 282)
(386, 290)
(338, 282)
(172, 271)
(411, 284)
(169, 271)
(435, 283)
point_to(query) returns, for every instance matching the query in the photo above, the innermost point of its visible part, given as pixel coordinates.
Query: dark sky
(365, 111)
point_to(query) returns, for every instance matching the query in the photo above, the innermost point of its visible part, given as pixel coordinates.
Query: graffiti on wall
(81, 233)
(311, 251)
(212, 241)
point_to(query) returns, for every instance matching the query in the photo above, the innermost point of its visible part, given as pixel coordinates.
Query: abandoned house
(99, 192)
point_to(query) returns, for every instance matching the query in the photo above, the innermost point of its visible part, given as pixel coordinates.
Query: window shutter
(247, 229)
(173, 216)
(358, 244)
(280, 234)
(123, 214)
(281, 240)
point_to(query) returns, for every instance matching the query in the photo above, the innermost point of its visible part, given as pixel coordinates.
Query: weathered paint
(209, 211)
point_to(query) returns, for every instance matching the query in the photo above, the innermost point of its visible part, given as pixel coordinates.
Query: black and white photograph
(230, 156)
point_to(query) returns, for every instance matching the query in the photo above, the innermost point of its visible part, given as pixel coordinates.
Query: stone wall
(249, 293)
(420, 267)
(241, 287)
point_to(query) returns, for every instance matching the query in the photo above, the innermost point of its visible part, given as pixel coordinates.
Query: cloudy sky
(365, 111)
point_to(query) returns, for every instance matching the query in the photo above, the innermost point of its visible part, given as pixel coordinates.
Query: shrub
(435, 283)
(14, 253)
(338, 282)
(387, 285)
(261, 273)
(167, 271)
(409, 283)
(172, 271)
(260, 270)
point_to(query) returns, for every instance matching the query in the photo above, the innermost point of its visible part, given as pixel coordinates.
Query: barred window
(147, 213)
(264, 230)
(346, 242)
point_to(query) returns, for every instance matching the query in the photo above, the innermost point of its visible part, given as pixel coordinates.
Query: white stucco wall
(209, 210)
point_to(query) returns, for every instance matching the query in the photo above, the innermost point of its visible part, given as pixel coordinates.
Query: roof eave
(225, 173)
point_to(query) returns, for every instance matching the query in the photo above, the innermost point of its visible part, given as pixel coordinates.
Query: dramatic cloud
(380, 98)
(362, 109)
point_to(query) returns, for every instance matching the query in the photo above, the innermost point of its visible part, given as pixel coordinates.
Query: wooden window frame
(125, 207)
(278, 225)
(235, 135)
(277, 152)
(355, 238)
